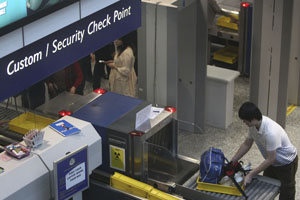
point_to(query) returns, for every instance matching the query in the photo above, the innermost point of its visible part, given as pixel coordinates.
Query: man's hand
(233, 19)
(110, 64)
(73, 90)
(247, 179)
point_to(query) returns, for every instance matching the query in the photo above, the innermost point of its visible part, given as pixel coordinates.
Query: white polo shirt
(271, 136)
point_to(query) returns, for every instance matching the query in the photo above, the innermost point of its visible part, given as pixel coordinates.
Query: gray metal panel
(161, 49)
(269, 69)
(242, 39)
(187, 65)
(157, 56)
(284, 62)
(66, 101)
(294, 70)
(256, 51)
(90, 6)
(192, 66)
(142, 52)
(125, 124)
(11, 41)
(228, 34)
(163, 52)
(274, 34)
(51, 23)
(265, 56)
(230, 4)
(201, 64)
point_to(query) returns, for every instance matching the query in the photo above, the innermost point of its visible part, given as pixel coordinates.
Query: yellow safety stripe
(290, 109)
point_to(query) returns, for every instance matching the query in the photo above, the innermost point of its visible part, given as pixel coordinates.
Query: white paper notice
(75, 176)
(142, 116)
(2, 11)
(3, 5)
(155, 111)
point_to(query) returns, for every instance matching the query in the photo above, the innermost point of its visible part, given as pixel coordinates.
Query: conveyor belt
(8, 114)
(261, 188)
(7, 137)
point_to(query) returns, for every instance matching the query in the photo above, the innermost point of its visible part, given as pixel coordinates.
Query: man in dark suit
(93, 69)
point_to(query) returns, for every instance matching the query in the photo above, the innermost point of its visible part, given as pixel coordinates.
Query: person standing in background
(94, 66)
(34, 96)
(122, 78)
(69, 79)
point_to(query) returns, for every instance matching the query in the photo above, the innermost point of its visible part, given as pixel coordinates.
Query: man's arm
(271, 156)
(216, 8)
(244, 148)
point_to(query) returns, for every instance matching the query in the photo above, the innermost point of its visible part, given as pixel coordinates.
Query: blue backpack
(211, 164)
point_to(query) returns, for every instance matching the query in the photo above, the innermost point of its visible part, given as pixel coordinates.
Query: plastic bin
(28, 121)
(228, 54)
(130, 185)
(224, 21)
(232, 190)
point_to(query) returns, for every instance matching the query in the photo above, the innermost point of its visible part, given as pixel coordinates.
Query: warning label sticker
(117, 157)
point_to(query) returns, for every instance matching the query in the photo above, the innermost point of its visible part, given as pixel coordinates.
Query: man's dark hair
(249, 111)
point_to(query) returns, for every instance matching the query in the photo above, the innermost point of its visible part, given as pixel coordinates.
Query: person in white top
(122, 78)
(280, 155)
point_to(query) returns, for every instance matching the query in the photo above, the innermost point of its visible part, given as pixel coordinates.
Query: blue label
(72, 175)
(42, 58)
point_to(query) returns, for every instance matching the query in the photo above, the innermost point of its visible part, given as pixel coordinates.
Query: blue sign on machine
(37, 61)
(71, 174)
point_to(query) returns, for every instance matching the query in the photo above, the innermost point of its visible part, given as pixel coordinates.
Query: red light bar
(64, 113)
(100, 91)
(170, 109)
(137, 133)
(245, 4)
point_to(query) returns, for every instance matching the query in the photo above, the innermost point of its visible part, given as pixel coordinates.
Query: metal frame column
(270, 57)
(192, 50)
(294, 67)
(157, 54)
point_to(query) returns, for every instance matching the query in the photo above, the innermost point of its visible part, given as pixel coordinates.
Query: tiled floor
(193, 145)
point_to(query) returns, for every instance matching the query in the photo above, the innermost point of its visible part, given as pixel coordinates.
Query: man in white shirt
(281, 159)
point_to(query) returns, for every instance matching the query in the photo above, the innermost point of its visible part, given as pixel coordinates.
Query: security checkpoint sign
(38, 60)
(117, 158)
(71, 174)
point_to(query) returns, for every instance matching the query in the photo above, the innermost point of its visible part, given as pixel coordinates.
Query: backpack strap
(230, 169)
